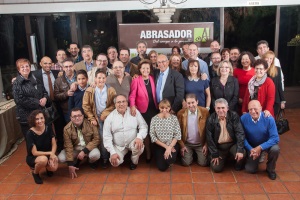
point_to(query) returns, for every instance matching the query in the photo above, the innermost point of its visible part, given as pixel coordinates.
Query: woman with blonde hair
(274, 72)
(176, 64)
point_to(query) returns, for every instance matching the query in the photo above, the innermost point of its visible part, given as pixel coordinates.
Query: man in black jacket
(224, 135)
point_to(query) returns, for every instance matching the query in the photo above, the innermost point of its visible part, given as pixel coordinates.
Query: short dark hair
(102, 54)
(191, 96)
(83, 72)
(225, 50)
(86, 46)
(262, 42)
(191, 61)
(261, 62)
(251, 57)
(236, 49)
(68, 60)
(141, 42)
(76, 109)
(98, 71)
(60, 50)
(124, 48)
(32, 116)
(176, 47)
(73, 43)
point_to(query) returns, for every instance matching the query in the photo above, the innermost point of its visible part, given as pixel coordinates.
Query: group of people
(165, 106)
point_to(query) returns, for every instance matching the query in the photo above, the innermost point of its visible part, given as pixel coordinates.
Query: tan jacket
(89, 104)
(81, 65)
(90, 135)
(182, 116)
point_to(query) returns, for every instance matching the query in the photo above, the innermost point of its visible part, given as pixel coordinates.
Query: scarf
(254, 83)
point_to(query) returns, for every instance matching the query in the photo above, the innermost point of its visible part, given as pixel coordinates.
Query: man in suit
(169, 84)
(87, 63)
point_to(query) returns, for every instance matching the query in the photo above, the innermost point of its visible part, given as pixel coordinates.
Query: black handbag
(51, 114)
(282, 123)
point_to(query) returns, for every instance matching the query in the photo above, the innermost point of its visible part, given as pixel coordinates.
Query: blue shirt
(88, 66)
(164, 78)
(198, 88)
(263, 132)
(100, 99)
(202, 64)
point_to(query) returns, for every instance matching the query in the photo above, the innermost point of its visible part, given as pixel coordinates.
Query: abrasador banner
(163, 37)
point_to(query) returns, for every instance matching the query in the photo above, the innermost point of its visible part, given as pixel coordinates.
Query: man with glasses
(123, 132)
(234, 56)
(130, 68)
(63, 87)
(118, 80)
(88, 63)
(81, 139)
(101, 63)
(169, 84)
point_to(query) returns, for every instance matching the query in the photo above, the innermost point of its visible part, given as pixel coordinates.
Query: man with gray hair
(87, 63)
(224, 135)
(123, 132)
(141, 48)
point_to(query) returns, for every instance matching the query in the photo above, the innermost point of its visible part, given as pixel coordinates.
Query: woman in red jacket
(261, 88)
(143, 97)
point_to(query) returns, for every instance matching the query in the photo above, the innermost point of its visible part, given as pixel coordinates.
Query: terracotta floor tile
(207, 197)
(263, 177)
(123, 169)
(242, 176)
(183, 197)
(296, 196)
(16, 161)
(24, 189)
(22, 169)
(64, 197)
(17, 178)
(41, 197)
(96, 178)
(226, 176)
(295, 166)
(283, 166)
(7, 188)
(251, 188)
(47, 189)
(159, 189)
(139, 188)
(180, 169)
(205, 188)
(66, 179)
(113, 189)
(138, 178)
(228, 188)
(204, 177)
(198, 168)
(274, 187)
(87, 197)
(160, 197)
(18, 197)
(117, 178)
(288, 176)
(182, 188)
(231, 197)
(135, 197)
(142, 168)
(181, 178)
(6, 169)
(256, 197)
(280, 196)
(293, 187)
(91, 189)
(160, 177)
(111, 197)
(69, 189)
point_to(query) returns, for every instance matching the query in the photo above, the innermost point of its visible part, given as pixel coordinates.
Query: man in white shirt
(123, 132)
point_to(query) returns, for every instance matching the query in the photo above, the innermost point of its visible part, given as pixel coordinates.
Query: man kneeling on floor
(123, 132)
(80, 140)
(261, 135)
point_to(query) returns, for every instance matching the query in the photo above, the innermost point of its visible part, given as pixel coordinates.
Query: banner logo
(201, 34)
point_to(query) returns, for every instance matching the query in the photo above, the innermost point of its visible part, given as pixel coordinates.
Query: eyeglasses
(162, 62)
(70, 66)
(102, 60)
(118, 67)
(76, 116)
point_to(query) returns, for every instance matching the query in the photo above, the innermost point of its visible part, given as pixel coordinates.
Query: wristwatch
(208, 108)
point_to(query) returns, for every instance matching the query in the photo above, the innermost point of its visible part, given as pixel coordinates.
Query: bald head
(162, 62)
(254, 108)
(46, 63)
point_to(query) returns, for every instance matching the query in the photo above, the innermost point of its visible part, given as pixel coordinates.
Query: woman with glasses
(261, 88)
(97, 103)
(225, 86)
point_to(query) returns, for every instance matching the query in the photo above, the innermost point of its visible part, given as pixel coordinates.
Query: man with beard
(234, 56)
(141, 48)
(74, 52)
(215, 60)
(130, 68)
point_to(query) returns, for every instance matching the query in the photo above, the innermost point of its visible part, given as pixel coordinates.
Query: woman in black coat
(29, 93)
(225, 86)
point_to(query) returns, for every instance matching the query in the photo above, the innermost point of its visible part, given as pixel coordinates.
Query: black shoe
(77, 163)
(49, 173)
(94, 165)
(238, 167)
(148, 160)
(104, 163)
(132, 166)
(271, 175)
(37, 178)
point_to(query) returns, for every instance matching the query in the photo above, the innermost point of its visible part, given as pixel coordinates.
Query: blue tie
(158, 88)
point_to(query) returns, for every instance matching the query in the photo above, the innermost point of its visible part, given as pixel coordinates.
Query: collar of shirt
(255, 121)
(193, 79)
(44, 72)
(195, 113)
(166, 72)
(73, 78)
(83, 89)
(104, 89)
(88, 66)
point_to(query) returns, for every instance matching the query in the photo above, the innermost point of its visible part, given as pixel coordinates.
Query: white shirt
(119, 131)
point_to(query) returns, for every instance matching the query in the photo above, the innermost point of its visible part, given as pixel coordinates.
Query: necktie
(50, 86)
(158, 87)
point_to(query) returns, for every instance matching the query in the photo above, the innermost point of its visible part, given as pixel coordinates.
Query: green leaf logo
(201, 34)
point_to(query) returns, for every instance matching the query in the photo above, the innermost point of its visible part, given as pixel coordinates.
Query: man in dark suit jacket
(169, 84)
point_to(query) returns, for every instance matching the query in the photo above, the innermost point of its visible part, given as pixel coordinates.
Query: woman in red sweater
(261, 88)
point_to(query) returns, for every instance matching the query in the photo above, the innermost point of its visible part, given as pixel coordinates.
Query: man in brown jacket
(192, 123)
(87, 63)
(80, 140)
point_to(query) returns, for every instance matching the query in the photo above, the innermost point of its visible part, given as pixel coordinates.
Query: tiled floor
(146, 182)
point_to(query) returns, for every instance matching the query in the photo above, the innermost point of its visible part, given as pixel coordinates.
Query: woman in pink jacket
(143, 97)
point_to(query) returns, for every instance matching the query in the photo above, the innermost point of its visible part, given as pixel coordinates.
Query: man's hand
(255, 152)
(182, 150)
(204, 76)
(94, 122)
(239, 156)
(74, 86)
(215, 161)
(114, 159)
(52, 160)
(204, 150)
(168, 152)
(127, 74)
(72, 171)
(267, 113)
(138, 143)
(43, 102)
(70, 93)
(81, 155)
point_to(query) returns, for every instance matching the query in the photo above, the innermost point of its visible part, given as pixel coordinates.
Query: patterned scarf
(253, 82)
